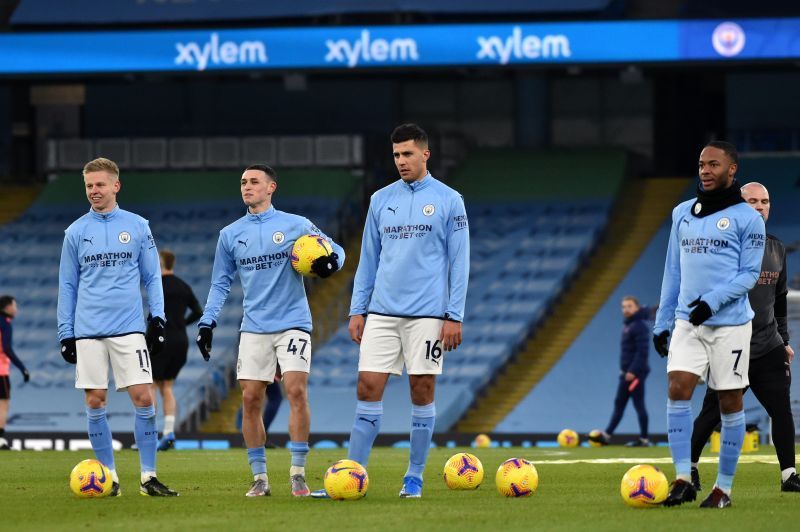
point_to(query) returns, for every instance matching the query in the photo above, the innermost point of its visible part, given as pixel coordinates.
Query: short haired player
(713, 260)
(408, 298)
(107, 254)
(276, 327)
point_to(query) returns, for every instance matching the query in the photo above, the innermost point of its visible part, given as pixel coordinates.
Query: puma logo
(370, 421)
(244, 242)
(394, 211)
(89, 240)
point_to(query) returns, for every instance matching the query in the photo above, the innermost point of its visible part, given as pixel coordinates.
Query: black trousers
(621, 400)
(770, 379)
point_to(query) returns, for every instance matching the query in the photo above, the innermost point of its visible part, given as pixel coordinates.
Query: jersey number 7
(738, 353)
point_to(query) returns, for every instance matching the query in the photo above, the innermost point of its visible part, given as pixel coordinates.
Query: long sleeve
(150, 270)
(221, 279)
(752, 238)
(314, 230)
(458, 256)
(195, 310)
(781, 308)
(670, 284)
(364, 282)
(68, 279)
(641, 342)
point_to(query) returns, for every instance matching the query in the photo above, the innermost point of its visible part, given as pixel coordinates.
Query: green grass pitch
(572, 494)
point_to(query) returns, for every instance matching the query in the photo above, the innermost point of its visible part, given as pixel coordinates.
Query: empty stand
(523, 254)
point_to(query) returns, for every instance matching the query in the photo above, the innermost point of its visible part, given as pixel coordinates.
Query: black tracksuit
(178, 297)
(634, 353)
(770, 376)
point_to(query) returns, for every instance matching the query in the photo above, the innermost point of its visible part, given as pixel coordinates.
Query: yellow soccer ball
(644, 486)
(463, 471)
(482, 441)
(346, 480)
(596, 438)
(306, 250)
(516, 477)
(90, 479)
(568, 438)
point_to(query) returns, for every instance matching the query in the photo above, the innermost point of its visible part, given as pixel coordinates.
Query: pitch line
(744, 459)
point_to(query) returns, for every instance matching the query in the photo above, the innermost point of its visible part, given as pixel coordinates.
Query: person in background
(8, 310)
(178, 298)
(634, 368)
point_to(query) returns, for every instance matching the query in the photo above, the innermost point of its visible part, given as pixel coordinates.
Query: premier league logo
(728, 39)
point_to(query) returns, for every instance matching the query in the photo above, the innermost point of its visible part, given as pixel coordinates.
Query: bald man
(770, 355)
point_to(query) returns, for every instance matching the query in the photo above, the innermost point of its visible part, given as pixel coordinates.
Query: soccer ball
(516, 477)
(463, 471)
(90, 478)
(346, 480)
(596, 438)
(644, 486)
(568, 438)
(306, 250)
(482, 441)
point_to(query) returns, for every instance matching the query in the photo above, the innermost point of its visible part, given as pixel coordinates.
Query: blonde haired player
(107, 254)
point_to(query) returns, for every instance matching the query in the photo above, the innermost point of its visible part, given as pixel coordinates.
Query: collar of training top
(262, 216)
(419, 184)
(710, 202)
(104, 216)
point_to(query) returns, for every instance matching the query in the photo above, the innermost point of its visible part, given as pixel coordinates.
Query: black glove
(26, 376)
(700, 313)
(155, 337)
(68, 350)
(204, 337)
(661, 343)
(325, 265)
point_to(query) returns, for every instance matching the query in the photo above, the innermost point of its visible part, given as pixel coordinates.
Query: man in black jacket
(178, 298)
(770, 355)
(634, 368)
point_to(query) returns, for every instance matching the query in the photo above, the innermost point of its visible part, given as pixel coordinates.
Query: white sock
(786, 473)
(694, 465)
(147, 475)
(114, 477)
(297, 470)
(169, 425)
(261, 476)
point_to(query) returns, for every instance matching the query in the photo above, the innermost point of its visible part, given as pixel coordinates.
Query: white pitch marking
(744, 459)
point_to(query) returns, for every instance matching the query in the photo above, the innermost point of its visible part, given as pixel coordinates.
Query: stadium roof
(82, 12)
